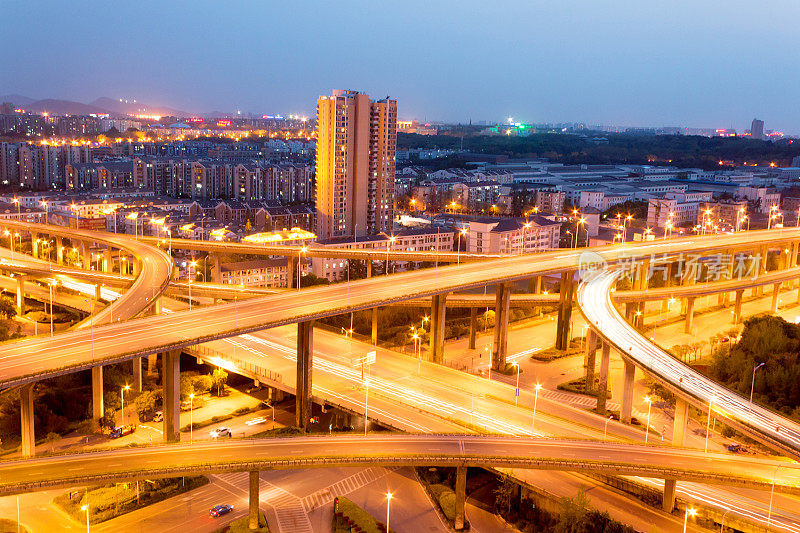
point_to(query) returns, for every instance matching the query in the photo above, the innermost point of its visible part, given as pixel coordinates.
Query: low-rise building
(512, 235)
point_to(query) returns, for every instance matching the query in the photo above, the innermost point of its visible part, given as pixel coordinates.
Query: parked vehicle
(222, 509)
(121, 431)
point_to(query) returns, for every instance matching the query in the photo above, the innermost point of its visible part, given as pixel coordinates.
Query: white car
(220, 432)
(256, 420)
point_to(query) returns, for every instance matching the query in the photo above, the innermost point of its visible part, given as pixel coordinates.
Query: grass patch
(578, 386)
(348, 516)
(445, 498)
(110, 501)
(288, 431)
(10, 526)
(553, 353)
(242, 525)
(205, 423)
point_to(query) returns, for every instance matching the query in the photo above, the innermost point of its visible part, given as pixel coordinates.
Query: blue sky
(703, 63)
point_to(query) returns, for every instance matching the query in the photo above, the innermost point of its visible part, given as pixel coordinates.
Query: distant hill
(102, 105)
(17, 99)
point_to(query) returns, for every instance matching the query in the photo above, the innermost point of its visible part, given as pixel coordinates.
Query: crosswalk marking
(343, 487)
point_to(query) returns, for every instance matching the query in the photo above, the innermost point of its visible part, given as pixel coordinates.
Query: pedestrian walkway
(346, 486)
(290, 515)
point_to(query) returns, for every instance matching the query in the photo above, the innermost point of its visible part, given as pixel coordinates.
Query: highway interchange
(176, 329)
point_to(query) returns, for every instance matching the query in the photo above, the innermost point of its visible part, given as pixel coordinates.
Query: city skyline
(577, 67)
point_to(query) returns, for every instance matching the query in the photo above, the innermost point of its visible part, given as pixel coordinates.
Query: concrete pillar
(86, 255)
(679, 422)
(687, 328)
(602, 386)
(627, 392)
(473, 327)
(137, 374)
(59, 250)
(97, 293)
(134, 266)
(34, 244)
(157, 305)
(21, 294)
(668, 501)
(566, 290)
(775, 293)
(252, 522)
(216, 269)
(369, 267)
(375, 326)
(108, 262)
(590, 358)
(737, 306)
(305, 362)
(678, 433)
(461, 497)
(438, 313)
(97, 392)
(26, 422)
(171, 381)
(151, 363)
(291, 272)
(535, 285)
(501, 312)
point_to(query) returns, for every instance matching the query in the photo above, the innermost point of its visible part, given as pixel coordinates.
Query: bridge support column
(216, 269)
(589, 360)
(602, 387)
(26, 422)
(152, 360)
(86, 255)
(108, 262)
(21, 294)
(60, 250)
(679, 422)
(687, 328)
(137, 374)
(35, 244)
(157, 305)
(566, 290)
(291, 271)
(438, 312)
(627, 392)
(369, 267)
(668, 501)
(305, 361)
(97, 392)
(97, 293)
(473, 327)
(252, 522)
(776, 288)
(737, 306)
(461, 497)
(171, 380)
(375, 326)
(501, 311)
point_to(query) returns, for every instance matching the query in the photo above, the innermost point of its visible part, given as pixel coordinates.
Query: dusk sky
(699, 63)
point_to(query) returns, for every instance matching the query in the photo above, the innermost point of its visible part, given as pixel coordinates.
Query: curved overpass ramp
(395, 450)
(594, 299)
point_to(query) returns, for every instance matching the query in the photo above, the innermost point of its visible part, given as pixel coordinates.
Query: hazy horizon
(718, 64)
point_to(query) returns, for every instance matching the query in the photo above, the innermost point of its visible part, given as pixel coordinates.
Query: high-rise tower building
(757, 129)
(356, 144)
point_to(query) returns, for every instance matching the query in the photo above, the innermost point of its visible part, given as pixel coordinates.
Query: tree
(202, 384)
(51, 439)
(219, 377)
(147, 404)
(109, 419)
(7, 308)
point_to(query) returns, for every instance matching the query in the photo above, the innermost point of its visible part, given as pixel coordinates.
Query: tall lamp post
(649, 406)
(690, 511)
(516, 391)
(458, 247)
(753, 382)
(388, 504)
(122, 401)
(535, 400)
(191, 418)
(708, 422)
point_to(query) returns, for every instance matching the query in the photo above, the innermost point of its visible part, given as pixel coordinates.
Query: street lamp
(722, 523)
(388, 242)
(366, 405)
(754, 381)
(388, 502)
(535, 400)
(122, 401)
(516, 391)
(458, 247)
(191, 418)
(86, 508)
(708, 422)
(605, 427)
(299, 260)
(690, 511)
(649, 406)
(189, 279)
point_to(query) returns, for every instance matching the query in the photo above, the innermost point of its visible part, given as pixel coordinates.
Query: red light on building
(195, 120)
(223, 123)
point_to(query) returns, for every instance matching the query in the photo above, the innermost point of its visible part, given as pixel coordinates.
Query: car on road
(222, 509)
(256, 420)
(121, 431)
(221, 432)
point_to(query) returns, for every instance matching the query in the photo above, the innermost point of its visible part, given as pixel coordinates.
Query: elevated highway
(396, 450)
